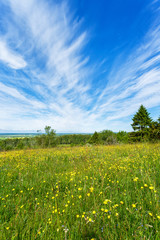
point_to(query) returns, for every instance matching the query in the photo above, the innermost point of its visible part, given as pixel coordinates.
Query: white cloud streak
(12, 92)
(134, 81)
(11, 58)
(59, 75)
(56, 38)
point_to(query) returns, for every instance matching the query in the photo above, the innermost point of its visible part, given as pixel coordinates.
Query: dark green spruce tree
(94, 139)
(141, 124)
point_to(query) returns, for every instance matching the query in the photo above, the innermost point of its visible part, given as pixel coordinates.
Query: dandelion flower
(91, 189)
(135, 179)
(90, 220)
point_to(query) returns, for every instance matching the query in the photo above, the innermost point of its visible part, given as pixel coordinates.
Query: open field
(103, 192)
(16, 135)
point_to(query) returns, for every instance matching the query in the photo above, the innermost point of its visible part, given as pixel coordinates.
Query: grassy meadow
(97, 192)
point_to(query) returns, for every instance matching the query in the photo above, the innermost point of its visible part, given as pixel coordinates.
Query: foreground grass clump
(105, 192)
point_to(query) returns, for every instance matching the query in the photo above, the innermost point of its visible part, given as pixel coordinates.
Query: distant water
(19, 134)
(33, 134)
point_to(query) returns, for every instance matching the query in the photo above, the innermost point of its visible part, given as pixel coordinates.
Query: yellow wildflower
(135, 179)
(91, 189)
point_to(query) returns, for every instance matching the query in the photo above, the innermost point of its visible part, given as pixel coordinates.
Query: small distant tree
(105, 134)
(48, 139)
(122, 137)
(94, 139)
(108, 137)
(50, 136)
(47, 129)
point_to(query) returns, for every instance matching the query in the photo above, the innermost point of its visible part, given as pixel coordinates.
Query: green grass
(105, 192)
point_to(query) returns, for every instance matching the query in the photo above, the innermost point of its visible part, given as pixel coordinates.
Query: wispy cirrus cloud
(134, 80)
(56, 37)
(12, 59)
(54, 83)
(56, 69)
(14, 93)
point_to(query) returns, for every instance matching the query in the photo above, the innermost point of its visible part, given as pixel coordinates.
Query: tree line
(144, 129)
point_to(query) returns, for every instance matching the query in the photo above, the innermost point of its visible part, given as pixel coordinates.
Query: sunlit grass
(105, 192)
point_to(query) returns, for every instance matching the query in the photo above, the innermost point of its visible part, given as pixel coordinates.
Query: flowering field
(105, 192)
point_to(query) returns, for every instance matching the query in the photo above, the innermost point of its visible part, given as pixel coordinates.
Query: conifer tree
(141, 120)
(94, 139)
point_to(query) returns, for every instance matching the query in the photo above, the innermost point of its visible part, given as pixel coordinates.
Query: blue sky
(77, 65)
